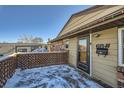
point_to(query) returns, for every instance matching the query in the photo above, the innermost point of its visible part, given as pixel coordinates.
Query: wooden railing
(31, 60)
(7, 68)
(9, 64)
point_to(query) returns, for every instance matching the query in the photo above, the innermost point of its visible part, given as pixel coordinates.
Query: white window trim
(120, 49)
(90, 54)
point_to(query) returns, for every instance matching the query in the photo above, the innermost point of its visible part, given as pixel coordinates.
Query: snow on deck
(57, 76)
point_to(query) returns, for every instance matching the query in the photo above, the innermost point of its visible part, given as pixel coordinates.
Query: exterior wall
(78, 21)
(73, 51)
(28, 48)
(104, 68)
(56, 46)
(49, 46)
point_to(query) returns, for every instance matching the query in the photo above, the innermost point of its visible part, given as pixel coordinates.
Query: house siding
(104, 68)
(78, 21)
(73, 51)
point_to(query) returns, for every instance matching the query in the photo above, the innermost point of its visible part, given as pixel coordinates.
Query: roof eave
(79, 30)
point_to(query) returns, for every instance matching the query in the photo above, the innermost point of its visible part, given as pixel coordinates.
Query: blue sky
(41, 21)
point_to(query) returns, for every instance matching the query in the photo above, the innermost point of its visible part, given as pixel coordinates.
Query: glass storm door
(83, 55)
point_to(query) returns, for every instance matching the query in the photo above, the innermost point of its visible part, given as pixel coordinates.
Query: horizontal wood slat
(105, 66)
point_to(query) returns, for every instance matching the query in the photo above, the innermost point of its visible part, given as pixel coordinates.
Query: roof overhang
(112, 20)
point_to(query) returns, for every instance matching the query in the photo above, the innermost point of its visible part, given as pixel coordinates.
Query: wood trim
(91, 72)
(120, 54)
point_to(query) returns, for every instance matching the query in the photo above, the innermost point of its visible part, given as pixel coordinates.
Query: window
(83, 50)
(121, 47)
(67, 44)
(35, 47)
(22, 50)
(46, 47)
(1, 55)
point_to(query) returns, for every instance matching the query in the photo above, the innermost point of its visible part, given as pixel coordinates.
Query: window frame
(22, 50)
(120, 47)
(66, 43)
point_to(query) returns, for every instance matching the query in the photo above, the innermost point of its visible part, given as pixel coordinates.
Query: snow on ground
(40, 50)
(57, 76)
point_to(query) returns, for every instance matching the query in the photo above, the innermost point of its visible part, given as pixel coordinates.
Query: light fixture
(96, 35)
(122, 11)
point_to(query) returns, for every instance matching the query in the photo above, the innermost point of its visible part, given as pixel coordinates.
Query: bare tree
(37, 40)
(30, 39)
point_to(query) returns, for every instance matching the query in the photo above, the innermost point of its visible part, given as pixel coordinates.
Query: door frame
(90, 52)
(91, 66)
(87, 65)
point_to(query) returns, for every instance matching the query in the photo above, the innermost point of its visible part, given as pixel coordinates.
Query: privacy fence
(9, 64)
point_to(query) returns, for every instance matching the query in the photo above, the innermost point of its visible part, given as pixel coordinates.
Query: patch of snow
(56, 76)
(5, 57)
(40, 50)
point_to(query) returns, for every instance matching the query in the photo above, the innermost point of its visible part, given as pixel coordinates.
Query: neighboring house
(95, 40)
(61, 45)
(9, 48)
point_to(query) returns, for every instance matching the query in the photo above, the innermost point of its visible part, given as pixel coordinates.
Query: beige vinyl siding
(84, 19)
(104, 68)
(78, 20)
(72, 21)
(73, 51)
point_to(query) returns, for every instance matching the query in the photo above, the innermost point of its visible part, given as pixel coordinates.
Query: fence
(7, 69)
(41, 59)
(9, 64)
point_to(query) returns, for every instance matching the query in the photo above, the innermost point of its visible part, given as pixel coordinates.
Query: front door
(84, 55)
